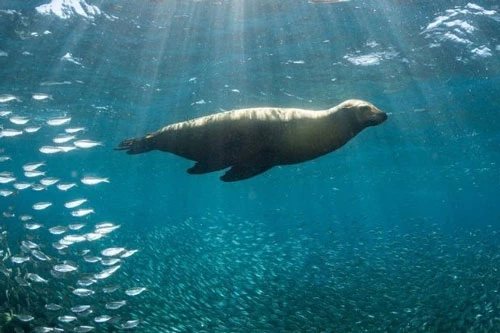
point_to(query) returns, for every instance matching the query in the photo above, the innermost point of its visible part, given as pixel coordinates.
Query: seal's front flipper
(199, 168)
(240, 172)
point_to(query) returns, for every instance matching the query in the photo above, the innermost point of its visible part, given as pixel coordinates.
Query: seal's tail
(135, 146)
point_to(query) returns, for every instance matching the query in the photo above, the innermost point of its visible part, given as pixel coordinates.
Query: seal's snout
(383, 117)
(372, 115)
(366, 113)
(376, 117)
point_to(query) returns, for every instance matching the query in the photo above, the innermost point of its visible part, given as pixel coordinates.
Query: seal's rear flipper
(240, 172)
(135, 146)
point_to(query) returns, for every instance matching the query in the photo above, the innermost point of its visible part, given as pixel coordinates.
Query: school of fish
(60, 265)
(222, 273)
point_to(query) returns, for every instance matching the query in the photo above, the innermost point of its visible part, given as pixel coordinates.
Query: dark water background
(395, 232)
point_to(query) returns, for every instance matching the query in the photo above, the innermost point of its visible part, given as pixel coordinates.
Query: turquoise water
(395, 232)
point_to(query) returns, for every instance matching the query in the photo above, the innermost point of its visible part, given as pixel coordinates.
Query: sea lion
(251, 141)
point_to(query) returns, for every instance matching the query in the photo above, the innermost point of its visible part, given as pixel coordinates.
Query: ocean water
(398, 231)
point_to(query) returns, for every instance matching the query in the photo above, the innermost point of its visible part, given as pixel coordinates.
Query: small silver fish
(53, 83)
(106, 230)
(85, 282)
(66, 319)
(115, 305)
(63, 139)
(105, 273)
(8, 132)
(59, 246)
(38, 187)
(91, 259)
(29, 244)
(110, 289)
(104, 225)
(19, 259)
(32, 129)
(33, 174)
(74, 238)
(57, 230)
(25, 217)
(79, 308)
(8, 214)
(92, 236)
(66, 149)
(40, 255)
(64, 268)
(49, 181)
(50, 150)
(5, 179)
(58, 121)
(130, 324)
(134, 291)
(36, 278)
(5, 193)
(128, 253)
(65, 186)
(41, 96)
(24, 317)
(113, 251)
(19, 120)
(22, 186)
(76, 226)
(94, 180)
(87, 144)
(32, 226)
(42, 205)
(110, 261)
(4, 98)
(74, 130)
(83, 329)
(83, 292)
(102, 319)
(32, 166)
(65, 242)
(74, 203)
(53, 307)
(82, 212)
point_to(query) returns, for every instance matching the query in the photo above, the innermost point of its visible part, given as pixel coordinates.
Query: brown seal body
(252, 141)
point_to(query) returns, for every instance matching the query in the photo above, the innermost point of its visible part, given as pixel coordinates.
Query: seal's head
(366, 114)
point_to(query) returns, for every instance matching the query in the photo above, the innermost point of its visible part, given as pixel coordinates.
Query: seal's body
(251, 141)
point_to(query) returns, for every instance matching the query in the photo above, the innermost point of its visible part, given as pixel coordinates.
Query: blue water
(395, 232)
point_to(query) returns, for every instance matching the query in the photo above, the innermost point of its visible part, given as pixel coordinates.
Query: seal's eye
(366, 109)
